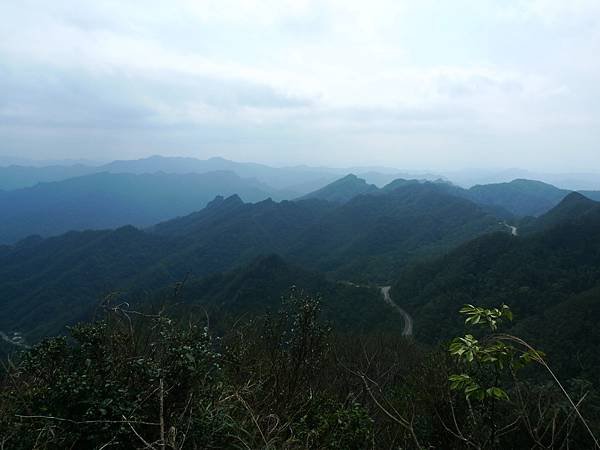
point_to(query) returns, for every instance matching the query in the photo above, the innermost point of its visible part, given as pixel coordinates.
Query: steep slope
(343, 190)
(569, 333)
(574, 207)
(106, 200)
(533, 274)
(45, 284)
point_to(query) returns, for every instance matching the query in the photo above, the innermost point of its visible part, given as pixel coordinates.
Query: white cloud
(415, 73)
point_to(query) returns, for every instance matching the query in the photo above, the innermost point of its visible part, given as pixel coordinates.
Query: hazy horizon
(7, 160)
(415, 86)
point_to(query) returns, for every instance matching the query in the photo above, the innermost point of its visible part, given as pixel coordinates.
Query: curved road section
(18, 342)
(408, 322)
(513, 230)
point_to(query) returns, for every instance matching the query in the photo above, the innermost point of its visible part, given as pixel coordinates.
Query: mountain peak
(343, 189)
(397, 183)
(572, 207)
(220, 201)
(576, 197)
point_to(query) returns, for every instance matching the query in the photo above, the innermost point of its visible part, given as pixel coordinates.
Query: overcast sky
(412, 84)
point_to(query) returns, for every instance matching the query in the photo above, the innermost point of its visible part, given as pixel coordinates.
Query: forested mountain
(372, 235)
(46, 283)
(520, 197)
(260, 286)
(343, 190)
(523, 197)
(551, 270)
(105, 200)
(574, 207)
(365, 239)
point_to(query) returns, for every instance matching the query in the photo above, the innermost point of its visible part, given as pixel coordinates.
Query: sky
(410, 84)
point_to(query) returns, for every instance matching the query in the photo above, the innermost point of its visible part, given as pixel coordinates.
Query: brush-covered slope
(106, 200)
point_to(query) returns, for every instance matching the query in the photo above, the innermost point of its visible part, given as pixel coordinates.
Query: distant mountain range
(107, 200)
(19, 173)
(518, 198)
(296, 180)
(136, 193)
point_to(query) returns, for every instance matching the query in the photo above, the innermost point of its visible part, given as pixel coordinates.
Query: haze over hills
(106, 200)
(19, 173)
(110, 200)
(569, 181)
(518, 198)
(297, 180)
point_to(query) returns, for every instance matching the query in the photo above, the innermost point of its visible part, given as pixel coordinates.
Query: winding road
(5, 338)
(408, 322)
(513, 230)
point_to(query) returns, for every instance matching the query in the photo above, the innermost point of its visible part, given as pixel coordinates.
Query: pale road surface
(5, 338)
(513, 230)
(408, 322)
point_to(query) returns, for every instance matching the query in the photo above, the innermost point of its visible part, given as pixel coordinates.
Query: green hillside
(556, 269)
(49, 282)
(260, 286)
